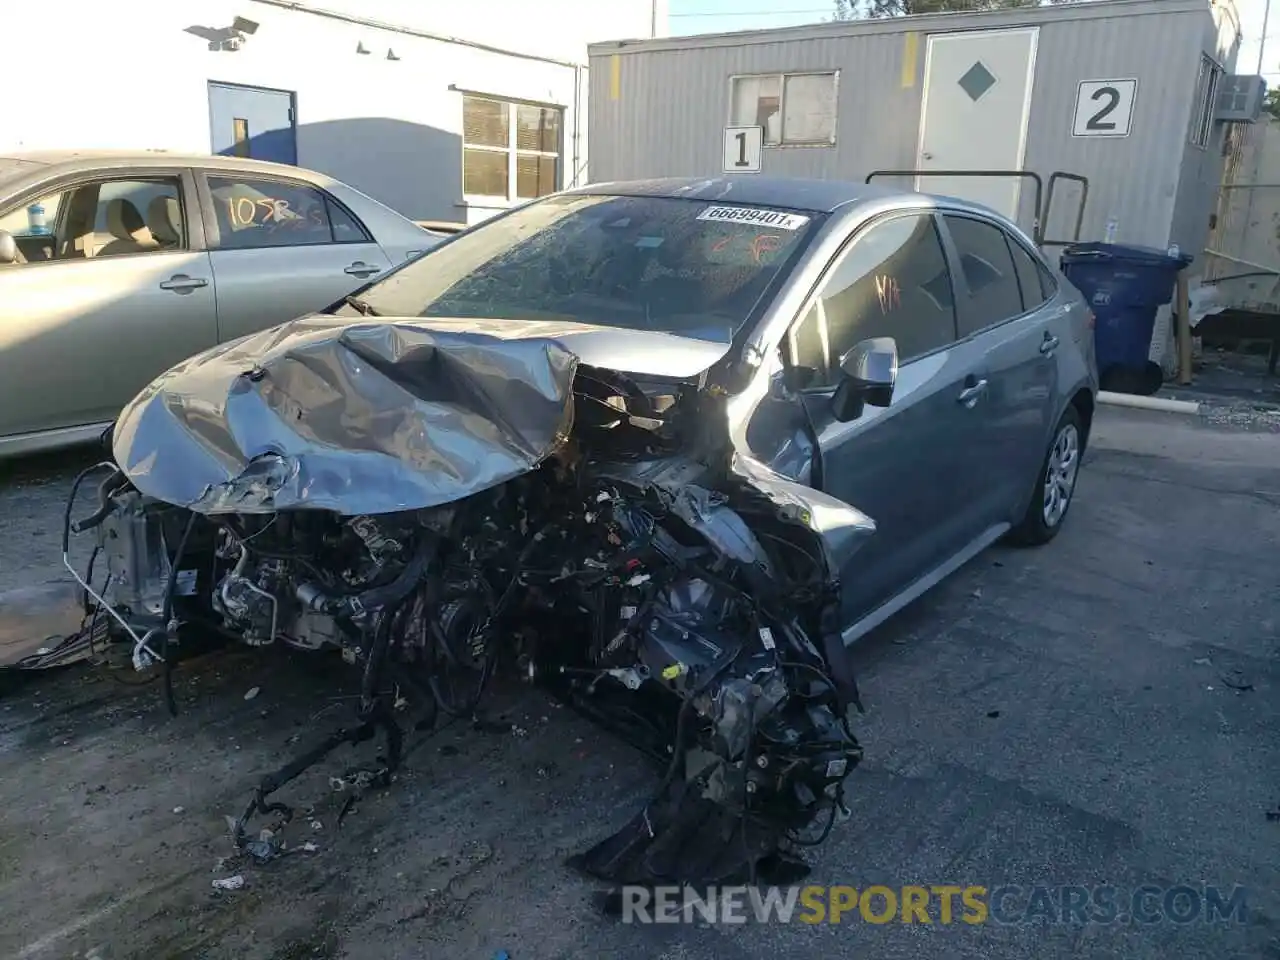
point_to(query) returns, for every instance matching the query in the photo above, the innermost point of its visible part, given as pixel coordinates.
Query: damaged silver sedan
(620, 443)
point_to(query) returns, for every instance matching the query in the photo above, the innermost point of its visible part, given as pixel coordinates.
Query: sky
(718, 16)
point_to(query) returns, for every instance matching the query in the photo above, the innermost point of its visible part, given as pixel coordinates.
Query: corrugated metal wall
(673, 105)
(658, 108)
(1133, 179)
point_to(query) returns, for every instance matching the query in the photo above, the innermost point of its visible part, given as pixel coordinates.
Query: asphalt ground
(1098, 714)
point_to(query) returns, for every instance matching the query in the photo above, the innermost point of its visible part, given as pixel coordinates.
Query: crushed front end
(585, 531)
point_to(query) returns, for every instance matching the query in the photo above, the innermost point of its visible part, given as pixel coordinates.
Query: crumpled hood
(373, 415)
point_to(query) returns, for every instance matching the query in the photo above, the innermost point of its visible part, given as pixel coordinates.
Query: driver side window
(892, 281)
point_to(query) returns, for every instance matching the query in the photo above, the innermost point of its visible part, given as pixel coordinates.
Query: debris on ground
(1236, 680)
(359, 780)
(252, 692)
(179, 810)
(347, 806)
(229, 883)
(262, 850)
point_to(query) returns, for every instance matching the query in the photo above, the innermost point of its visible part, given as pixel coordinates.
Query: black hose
(826, 832)
(398, 589)
(71, 499)
(166, 612)
(816, 671)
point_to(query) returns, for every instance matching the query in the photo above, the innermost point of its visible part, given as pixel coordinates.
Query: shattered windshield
(653, 263)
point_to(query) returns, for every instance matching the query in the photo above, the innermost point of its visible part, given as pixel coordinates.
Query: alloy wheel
(1060, 474)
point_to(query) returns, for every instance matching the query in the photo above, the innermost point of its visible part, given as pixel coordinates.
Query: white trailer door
(977, 103)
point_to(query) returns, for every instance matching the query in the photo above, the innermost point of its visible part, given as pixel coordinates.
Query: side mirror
(8, 247)
(870, 371)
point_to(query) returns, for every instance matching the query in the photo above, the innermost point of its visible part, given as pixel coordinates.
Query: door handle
(181, 283)
(1048, 344)
(970, 395)
(361, 269)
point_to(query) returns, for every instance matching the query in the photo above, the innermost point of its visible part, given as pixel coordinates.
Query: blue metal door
(252, 122)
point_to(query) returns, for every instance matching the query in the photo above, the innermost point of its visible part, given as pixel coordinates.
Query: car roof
(50, 163)
(844, 197)
(796, 193)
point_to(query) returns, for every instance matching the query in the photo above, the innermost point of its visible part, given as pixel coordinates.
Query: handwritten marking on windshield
(764, 244)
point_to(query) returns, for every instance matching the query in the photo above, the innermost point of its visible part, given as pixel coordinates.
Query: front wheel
(1055, 486)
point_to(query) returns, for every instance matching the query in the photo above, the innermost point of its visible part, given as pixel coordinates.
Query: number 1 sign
(743, 147)
(1104, 108)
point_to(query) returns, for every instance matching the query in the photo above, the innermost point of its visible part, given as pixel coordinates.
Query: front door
(906, 466)
(112, 293)
(977, 104)
(252, 122)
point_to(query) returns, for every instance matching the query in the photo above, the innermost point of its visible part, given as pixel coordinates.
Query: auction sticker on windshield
(755, 217)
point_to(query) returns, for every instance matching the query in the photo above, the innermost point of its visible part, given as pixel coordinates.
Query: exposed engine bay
(632, 566)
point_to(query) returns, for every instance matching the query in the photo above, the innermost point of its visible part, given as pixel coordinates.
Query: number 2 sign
(1104, 108)
(742, 149)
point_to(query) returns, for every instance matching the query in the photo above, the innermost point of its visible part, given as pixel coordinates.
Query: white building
(442, 111)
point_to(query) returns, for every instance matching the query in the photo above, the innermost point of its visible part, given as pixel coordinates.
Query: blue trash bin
(1125, 286)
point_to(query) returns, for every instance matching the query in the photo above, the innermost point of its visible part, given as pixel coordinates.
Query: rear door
(906, 464)
(116, 288)
(1005, 316)
(281, 248)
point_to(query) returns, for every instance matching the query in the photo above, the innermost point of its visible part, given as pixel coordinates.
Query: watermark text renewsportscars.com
(943, 904)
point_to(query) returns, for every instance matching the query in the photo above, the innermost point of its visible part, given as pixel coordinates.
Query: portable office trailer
(1128, 94)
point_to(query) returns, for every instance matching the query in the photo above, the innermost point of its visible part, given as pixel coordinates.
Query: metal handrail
(1042, 209)
(1048, 204)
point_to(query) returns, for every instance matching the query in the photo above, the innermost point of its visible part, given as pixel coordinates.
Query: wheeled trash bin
(1125, 286)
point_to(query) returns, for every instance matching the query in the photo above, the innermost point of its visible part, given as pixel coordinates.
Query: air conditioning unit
(1240, 98)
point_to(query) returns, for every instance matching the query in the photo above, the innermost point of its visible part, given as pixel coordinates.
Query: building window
(793, 108)
(510, 150)
(1205, 102)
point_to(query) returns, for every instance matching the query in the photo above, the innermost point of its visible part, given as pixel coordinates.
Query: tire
(1049, 505)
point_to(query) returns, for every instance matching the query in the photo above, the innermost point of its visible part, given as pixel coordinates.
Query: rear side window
(346, 229)
(256, 214)
(1048, 285)
(1031, 276)
(994, 294)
